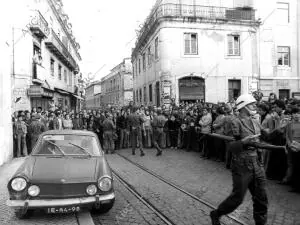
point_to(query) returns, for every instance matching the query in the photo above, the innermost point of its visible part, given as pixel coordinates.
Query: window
(145, 95)
(283, 13)
(133, 71)
(65, 75)
(156, 48)
(140, 95)
(233, 45)
(144, 61)
(136, 68)
(137, 96)
(139, 66)
(59, 72)
(149, 56)
(283, 56)
(70, 79)
(52, 67)
(150, 92)
(190, 44)
(234, 89)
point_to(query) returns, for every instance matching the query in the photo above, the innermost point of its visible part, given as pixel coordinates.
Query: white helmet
(244, 100)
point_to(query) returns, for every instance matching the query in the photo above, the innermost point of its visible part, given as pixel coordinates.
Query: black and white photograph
(150, 112)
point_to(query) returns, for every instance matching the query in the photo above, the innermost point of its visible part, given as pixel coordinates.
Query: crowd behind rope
(187, 128)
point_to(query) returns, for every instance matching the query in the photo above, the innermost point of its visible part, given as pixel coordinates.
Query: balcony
(194, 13)
(38, 25)
(55, 45)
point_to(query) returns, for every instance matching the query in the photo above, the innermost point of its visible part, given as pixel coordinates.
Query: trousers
(21, 145)
(136, 139)
(247, 173)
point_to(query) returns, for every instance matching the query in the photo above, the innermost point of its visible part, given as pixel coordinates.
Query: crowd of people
(185, 127)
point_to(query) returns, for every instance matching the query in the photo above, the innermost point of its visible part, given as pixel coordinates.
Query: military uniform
(135, 122)
(108, 135)
(20, 131)
(247, 172)
(35, 129)
(158, 124)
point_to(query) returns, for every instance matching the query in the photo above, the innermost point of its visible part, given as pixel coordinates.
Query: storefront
(191, 89)
(40, 96)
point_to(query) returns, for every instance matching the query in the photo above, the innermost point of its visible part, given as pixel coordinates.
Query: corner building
(45, 57)
(190, 50)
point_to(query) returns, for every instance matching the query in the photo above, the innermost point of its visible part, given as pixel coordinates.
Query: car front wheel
(23, 214)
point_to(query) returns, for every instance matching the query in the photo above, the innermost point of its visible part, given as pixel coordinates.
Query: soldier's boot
(106, 152)
(142, 152)
(133, 151)
(159, 152)
(215, 218)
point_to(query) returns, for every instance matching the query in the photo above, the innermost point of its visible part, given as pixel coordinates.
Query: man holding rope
(247, 171)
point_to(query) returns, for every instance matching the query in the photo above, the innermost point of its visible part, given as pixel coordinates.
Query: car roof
(69, 132)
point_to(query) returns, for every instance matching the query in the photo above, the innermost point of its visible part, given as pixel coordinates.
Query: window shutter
(194, 43)
(230, 45)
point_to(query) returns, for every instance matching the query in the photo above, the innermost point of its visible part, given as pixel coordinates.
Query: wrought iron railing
(170, 10)
(37, 21)
(62, 48)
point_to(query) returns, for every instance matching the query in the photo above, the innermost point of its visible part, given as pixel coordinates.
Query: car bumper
(41, 203)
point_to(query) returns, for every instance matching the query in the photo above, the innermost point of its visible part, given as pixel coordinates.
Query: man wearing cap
(35, 129)
(247, 171)
(134, 122)
(108, 134)
(158, 124)
(20, 131)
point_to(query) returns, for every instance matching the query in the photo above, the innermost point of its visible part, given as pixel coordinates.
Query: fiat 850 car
(66, 172)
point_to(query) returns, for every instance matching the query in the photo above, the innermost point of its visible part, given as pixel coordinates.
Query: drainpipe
(298, 44)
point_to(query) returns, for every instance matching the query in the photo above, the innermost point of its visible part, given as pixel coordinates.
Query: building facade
(189, 51)
(279, 47)
(93, 95)
(117, 86)
(45, 58)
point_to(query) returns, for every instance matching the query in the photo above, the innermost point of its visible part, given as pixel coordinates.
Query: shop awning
(78, 97)
(62, 91)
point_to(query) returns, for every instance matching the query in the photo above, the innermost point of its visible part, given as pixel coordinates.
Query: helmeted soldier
(35, 129)
(135, 122)
(247, 171)
(158, 124)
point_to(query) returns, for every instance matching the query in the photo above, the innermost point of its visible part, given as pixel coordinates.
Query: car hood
(64, 170)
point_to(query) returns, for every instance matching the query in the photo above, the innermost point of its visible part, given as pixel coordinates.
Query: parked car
(66, 172)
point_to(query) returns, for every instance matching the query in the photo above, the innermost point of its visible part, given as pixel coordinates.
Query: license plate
(63, 209)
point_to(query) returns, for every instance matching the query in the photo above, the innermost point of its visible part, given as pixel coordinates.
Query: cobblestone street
(210, 181)
(206, 179)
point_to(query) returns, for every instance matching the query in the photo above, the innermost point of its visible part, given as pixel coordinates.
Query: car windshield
(64, 145)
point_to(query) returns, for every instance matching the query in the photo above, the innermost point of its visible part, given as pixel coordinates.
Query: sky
(105, 30)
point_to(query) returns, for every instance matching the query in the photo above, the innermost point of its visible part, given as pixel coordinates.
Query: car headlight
(18, 184)
(91, 189)
(33, 190)
(105, 184)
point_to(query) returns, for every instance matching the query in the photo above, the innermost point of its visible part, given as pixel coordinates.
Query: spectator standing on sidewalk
(173, 126)
(67, 123)
(20, 131)
(35, 129)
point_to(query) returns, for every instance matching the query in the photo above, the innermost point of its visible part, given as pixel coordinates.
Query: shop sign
(34, 91)
(37, 91)
(47, 93)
